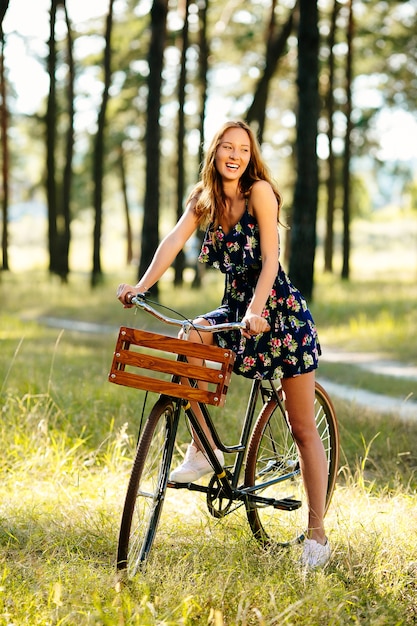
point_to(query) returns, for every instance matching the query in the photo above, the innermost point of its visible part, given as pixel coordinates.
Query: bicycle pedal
(287, 504)
(189, 486)
(173, 484)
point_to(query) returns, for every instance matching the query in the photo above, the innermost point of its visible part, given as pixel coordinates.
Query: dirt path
(373, 363)
(372, 401)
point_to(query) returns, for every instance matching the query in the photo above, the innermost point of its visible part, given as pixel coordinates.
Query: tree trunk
(203, 56)
(58, 190)
(347, 154)
(123, 178)
(180, 260)
(3, 8)
(275, 47)
(303, 232)
(98, 156)
(331, 174)
(4, 126)
(51, 124)
(150, 228)
(203, 67)
(65, 235)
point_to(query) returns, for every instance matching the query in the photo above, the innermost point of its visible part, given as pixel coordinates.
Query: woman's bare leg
(299, 403)
(207, 339)
(195, 463)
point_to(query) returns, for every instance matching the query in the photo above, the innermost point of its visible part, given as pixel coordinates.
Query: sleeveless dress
(291, 346)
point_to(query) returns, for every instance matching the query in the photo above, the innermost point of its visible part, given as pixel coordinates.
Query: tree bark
(123, 178)
(4, 128)
(347, 153)
(179, 264)
(58, 190)
(331, 174)
(303, 232)
(51, 124)
(65, 235)
(98, 156)
(203, 66)
(4, 4)
(150, 228)
(275, 48)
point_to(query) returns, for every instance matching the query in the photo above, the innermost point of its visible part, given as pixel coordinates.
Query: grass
(368, 316)
(67, 443)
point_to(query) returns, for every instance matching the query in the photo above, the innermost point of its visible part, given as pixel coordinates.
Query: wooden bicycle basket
(146, 360)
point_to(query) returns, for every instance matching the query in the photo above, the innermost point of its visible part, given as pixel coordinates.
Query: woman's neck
(232, 194)
(234, 207)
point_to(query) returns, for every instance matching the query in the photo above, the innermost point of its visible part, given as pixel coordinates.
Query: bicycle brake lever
(131, 297)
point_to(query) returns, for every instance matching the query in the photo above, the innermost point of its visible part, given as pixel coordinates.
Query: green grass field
(68, 438)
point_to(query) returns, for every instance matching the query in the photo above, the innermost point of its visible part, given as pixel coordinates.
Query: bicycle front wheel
(147, 486)
(273, 464)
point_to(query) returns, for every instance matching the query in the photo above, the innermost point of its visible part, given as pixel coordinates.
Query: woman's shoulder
(261, 189)
(262, 193)
(194, 195)
(260, 185)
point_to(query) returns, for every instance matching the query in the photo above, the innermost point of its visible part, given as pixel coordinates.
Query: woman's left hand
(255, 325)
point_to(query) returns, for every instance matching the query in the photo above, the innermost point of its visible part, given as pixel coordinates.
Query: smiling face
(233, 154)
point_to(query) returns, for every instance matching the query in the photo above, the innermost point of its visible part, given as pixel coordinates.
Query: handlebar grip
(131, 296)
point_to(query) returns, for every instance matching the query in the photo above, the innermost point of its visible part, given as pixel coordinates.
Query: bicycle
(265, 477)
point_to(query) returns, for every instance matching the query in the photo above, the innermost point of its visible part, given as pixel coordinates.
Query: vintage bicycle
(265, 475)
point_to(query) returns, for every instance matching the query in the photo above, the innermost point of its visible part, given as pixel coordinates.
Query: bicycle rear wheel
(147, 486)
(273, 459)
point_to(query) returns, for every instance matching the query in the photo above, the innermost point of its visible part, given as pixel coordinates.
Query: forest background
(105, 120)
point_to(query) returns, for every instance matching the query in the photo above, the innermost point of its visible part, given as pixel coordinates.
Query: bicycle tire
(272, 455)
(146, 489)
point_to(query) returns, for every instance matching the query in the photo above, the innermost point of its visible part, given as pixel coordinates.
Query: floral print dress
(291, 347)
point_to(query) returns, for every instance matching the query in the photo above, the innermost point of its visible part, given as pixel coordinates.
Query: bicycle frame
(230, 484)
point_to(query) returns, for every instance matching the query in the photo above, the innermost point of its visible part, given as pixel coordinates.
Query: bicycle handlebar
(139, 300)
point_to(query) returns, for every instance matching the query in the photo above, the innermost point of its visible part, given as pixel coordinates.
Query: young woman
(238, 203)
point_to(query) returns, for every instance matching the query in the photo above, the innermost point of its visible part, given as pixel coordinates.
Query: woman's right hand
(125, 294)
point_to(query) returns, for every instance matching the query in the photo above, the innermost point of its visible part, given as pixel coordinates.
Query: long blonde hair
(208, 194)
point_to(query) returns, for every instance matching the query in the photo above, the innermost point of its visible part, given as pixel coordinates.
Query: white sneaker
(194, 466)
(315, 554)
